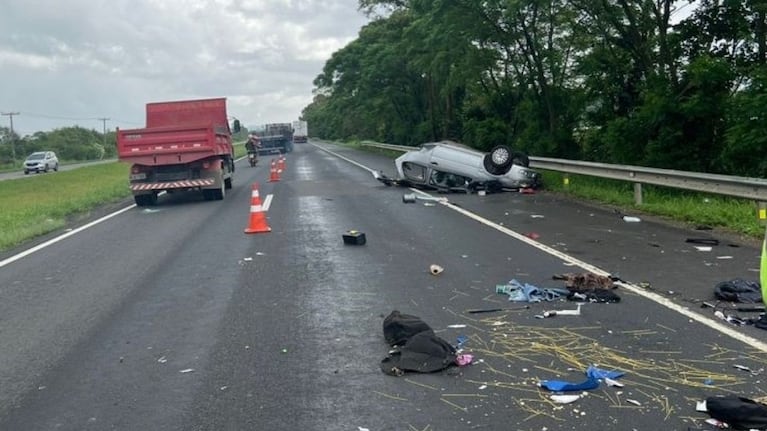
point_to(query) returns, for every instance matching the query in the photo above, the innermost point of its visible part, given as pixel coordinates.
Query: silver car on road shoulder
(452, 166)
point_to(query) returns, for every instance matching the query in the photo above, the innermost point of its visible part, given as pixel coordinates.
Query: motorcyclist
(251, 146)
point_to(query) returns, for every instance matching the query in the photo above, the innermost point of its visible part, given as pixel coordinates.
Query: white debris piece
(187, 370)
(565, 399)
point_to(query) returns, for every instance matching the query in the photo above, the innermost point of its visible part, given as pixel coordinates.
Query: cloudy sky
(65, 63)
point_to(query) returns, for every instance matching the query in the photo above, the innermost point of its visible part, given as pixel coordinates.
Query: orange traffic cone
(274, 173)
(257, 223)
(281, 163)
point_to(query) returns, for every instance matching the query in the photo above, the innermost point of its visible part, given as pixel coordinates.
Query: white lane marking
(62, 237)
(711, 323)
(267, 202)
(714, 324)
(346, 158)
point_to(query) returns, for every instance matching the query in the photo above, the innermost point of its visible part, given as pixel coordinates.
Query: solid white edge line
(711, 323)
(62, 237)
(267, 202)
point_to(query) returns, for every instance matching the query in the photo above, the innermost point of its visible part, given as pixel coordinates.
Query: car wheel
(45, 169)
(56, 167)
(520, 159)
(498, 161)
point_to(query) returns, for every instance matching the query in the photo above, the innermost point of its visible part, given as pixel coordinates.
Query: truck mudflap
(183, 184)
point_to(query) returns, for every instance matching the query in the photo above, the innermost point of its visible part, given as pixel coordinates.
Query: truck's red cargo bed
(171, 145)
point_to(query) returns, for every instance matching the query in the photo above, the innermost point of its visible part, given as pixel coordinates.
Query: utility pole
(104, 135)
(13, 146)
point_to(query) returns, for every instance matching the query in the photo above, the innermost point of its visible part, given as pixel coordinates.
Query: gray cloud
(84, 59)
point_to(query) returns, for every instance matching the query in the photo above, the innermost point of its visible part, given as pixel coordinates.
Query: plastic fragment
(456, 326)
(187, 370)
(631, 219)
(634, 402)
(247, 259)
(465, 359)
(717, 423)
(703, 248)
(614, 383)
(435, 269)
(700, 406)
(162, 359)
(565, 399)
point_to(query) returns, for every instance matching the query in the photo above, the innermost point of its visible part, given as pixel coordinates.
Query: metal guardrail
(740, 187)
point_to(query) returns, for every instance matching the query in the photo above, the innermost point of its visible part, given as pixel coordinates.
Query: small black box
(354, 237)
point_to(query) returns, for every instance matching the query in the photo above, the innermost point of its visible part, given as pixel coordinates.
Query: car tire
(45, 169)
(56, 167)
(520, 159)
(498, 161)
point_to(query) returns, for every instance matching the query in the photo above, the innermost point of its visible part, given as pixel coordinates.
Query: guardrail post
(763, 212)
(638, 193)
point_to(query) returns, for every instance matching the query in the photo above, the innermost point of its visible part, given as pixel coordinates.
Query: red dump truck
(186, 145)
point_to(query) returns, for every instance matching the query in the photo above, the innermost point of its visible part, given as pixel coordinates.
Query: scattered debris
(613, 383)
(532, 235)
(492, 310)
(187, 370)
(631, 219)
(565, 399)
(456, 326)
(247, 259)
(435, 269)
(744, 368)
(536, 216)
(634, 402)
(464, 359)
(162, 359)
(412, 198)
(354, 237)
(553, 313)
(526, 292)
(703, 248)
(703, 241)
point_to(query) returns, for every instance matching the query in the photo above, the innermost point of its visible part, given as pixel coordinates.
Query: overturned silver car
(449, 166)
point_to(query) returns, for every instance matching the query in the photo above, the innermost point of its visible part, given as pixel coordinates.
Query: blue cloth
(593, 374)
(597, 373)
(562, 386)
(519, 292)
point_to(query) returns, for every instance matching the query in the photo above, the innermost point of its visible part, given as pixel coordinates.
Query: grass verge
(40, 204)
(739, 216)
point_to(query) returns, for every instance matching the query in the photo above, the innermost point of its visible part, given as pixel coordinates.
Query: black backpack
(398, 327)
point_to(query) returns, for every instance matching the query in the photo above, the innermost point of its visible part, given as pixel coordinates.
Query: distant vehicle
(450, 166)
(300, 132)
(276, 138)
(41, 161)
(186, 145)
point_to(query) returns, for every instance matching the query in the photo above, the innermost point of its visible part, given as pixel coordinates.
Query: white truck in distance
(300, 132)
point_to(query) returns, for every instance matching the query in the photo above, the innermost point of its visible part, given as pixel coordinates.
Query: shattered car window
(446, 179)
(414, 172)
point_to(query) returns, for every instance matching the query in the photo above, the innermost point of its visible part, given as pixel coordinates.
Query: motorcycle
(252, 159)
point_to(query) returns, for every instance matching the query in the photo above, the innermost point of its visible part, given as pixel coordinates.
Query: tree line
(661, 83)
(70, 144)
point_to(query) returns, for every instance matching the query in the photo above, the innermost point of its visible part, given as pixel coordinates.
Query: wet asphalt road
(173, 319)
